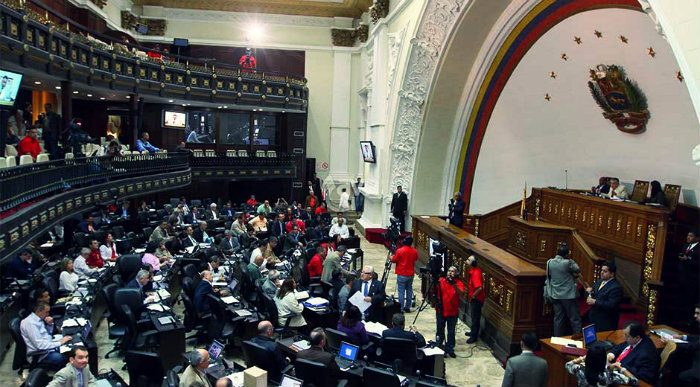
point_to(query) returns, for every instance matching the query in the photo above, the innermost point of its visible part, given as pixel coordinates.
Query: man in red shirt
(322, 209)
(315, 266)
(29, 145)
(449, 290)
(405, 259)
(95, 259)
(252, 202)
(476, 297)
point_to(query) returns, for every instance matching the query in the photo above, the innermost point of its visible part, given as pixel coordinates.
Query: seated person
(259, 223)
(254, 269)
(265, 340)
(68, 280)
(76, 372)
(249, 237)
(271, 284)
(80, 263)
(30, 145)
(160, 233)
(344, 293)
(294, 237)
(287, 304)
(214, 265)
(322, 209)
(162, 253)
(398, 321)
(94, 260)
(142, 144)
(141, 282)
(591, 370)
(22, 266)
(87, 225)
(267, 251)
(204, 288)
(200, 234)
(37, 332)
(238, 227)
(602, 188)
(616, 190)
(223, 382)
(637, 354)
(194, 375)
(264, 208)
(657, 194)
(188, 240)
(691, 349)
(229, 243)
(315, 265)
(149, 256)
(108, 251)
(317, 339)
(351, 324)
(251, 202)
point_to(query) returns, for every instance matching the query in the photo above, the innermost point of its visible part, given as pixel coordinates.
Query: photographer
(405, 259)
(456, 207)
(449, 290)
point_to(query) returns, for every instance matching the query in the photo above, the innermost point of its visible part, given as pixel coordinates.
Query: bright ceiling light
(75, 92)
(171, 101)
(102, 98)
(89, 95)
(255, 32)
(58, 87)
(37, 82)
(128, 97)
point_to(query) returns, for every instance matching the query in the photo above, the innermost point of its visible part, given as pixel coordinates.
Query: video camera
(392, 233)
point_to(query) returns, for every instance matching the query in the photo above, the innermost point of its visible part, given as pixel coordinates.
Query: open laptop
(589, 338)
(348, 354)
(290, 381)
(215, 351)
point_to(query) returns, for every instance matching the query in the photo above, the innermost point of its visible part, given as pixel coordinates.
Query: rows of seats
(233, 153)
(13, 161)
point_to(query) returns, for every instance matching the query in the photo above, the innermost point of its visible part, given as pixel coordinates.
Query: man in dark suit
(141, 282)
(52, 130)
(373, 292)
(317, 339)
(602, 188)
(229, 243)
(526, 369)
(204, 288)
(637, 354)
(265, 340)
(22, 267)
(188, 240)
(689, 271)
(398, 322)
(456, 208)
(604, 297)
(193, 216)
(690, 350)
(200, 234)
(212, 213)
(293, 239)
(278, 226)
(399, 205)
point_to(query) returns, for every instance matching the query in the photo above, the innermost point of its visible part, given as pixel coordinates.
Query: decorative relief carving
(156, 27)
(499, 293)
(379, 10)
(648, 259)
(344, 37)
(520, 240)
(543, 246)
(629, 228)
(99, 3)
(395, 43)
(438, 21)
(651, 307)
(537, 209)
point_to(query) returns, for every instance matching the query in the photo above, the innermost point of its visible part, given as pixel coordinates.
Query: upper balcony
(70, 51)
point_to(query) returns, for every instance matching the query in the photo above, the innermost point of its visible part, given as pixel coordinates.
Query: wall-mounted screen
(368, 151)
(9, 85)
(173, 119)
(200, 128)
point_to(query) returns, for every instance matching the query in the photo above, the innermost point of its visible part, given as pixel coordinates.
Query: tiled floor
(474, 363)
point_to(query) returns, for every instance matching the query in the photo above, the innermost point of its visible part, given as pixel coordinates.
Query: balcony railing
(32, 41)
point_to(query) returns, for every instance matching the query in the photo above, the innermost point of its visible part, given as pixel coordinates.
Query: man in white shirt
(616, 190)
(339, 228)
(344, 204)
(37, 329)
(337, 217)
(80, 263)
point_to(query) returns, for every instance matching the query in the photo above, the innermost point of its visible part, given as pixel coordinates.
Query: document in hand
(359, 301)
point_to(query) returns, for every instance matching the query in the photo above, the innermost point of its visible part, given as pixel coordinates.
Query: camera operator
(456, 207)
(405, 259)
(476, 298)
(449, 290)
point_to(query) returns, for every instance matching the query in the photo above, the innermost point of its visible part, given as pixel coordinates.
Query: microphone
(566, 179)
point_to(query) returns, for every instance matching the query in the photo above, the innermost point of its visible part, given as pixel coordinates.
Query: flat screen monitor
(368, 151)
(173, 119)
(589, 335)
(215, 350)
(290, 381)
(9, 86)
(348, 351)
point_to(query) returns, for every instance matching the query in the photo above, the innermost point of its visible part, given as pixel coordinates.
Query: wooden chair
(639, 193)
(665, 354)
(673, 193)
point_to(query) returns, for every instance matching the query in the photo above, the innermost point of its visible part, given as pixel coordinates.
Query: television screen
(173, 119)
(367, 149)
(200, 128)
(9, 85)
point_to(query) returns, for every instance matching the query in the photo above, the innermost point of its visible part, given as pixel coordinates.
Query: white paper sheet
(358, 300)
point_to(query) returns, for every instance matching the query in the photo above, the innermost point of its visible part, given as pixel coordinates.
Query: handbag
(547, 292)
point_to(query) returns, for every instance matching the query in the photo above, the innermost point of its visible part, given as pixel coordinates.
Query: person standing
(449, 290)
(691, 349)
(689, 271)
(604, 297)
(52, 130)
(476, 296)
(399, 205)
(344, 204)
(357, 193)
(562, 273)
(456, 216)
(526, 369)
(405, 259)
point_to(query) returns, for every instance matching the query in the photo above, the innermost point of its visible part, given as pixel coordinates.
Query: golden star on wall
(651, 52)
(547, 97)
(564, 56)
(577, 39)
(623, 39)
(679, 75)
(598, 34)
(553, 75)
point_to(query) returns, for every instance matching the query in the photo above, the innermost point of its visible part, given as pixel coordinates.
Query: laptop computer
(589, 338)
(290, 381)
(348, 354)
(215, 350)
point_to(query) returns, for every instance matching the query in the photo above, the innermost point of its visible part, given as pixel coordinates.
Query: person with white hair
(194, 375)
(372, 290)
(212, 213)
(80, 263)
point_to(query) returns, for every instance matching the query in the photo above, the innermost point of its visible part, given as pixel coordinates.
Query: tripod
(431, 290)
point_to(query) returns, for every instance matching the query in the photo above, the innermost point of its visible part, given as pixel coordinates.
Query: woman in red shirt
(476, 298)
(95, 259)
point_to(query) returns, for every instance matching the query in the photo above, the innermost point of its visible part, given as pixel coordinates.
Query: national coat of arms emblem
(621, 99)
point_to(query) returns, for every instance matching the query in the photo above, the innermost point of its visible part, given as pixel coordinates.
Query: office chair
(190, 270)
(316, 374)
(335, 337)
(187, 286)
(128, 265)
(255, 355)
(38, 377)
(81, 239)
(145, 369)
(273, 316)
(172, 379)
(19, 361)
(219, 326)
(192, 320)
(404, 350)
(134, 339)
(115, 327)
(130, 297)
(378, 377)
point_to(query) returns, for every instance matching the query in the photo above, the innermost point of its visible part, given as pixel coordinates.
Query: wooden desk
(513, 286)
(558, 377)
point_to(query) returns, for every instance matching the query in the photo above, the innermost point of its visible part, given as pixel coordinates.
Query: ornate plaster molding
(439, 19)
(395, 44)
(646, 7)
(239, 17)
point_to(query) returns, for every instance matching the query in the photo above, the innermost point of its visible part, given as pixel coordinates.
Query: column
(66, 103)
(340, 117)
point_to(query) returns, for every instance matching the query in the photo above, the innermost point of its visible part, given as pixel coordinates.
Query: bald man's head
(265, 328)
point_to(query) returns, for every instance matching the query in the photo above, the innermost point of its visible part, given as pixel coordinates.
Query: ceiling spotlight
(255, 32)
(225, 107)
(102, 98)
(58, 87)
(220, 107)
(128, 97)
(188, 104)
(261, 110)
(184, 104)
(89, 95)
(37, 82)
(283, 111)
(75, 92)
(171, 101)
(255, 110)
